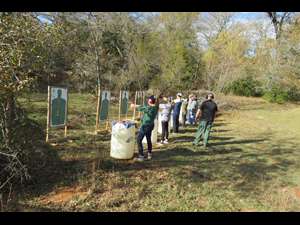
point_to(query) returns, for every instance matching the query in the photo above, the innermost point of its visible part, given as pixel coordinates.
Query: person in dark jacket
(176, 112)
(208, 111)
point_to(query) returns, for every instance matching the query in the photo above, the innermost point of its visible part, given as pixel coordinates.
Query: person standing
(165, 117)
(208, 111)
(184, 111)
(176, 112)
(147, 124)
(188, 107)
(192, 108)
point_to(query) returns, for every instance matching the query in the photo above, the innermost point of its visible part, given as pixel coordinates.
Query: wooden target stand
(121, 116)
(141, 96)
(97, 128)
(65, 125)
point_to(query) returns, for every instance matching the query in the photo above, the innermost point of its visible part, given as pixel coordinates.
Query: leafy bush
(278, 94)
(247, 86)
(293, 94)
(23, 154)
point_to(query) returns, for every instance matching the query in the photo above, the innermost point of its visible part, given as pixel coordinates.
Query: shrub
(25, 155)
(277, 95)
(293, 94)
(247, 86)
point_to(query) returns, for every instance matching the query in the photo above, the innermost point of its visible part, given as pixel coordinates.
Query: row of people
(206, 113)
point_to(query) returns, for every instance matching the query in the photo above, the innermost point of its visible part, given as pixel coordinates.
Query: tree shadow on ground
(246, 169)
(219, 124)
(67, 172)
(246, 141)
(190, 138)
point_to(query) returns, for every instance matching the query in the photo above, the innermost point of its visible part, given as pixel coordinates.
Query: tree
(179, 52)
(226, 59)
(278, 21)
(211, 24)
(22, 39)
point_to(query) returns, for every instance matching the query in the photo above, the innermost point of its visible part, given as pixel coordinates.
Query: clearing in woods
(253, 164)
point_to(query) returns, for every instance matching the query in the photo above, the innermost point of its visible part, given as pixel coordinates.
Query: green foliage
(22, 58)
(247, 86)
(278, 94)
(23, 155)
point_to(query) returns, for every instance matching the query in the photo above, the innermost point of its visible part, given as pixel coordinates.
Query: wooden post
(120, 100)
(107, 120)
(66, 124)
(134, 109)
(98, 109)
(127, 107)
(142, 99)
(48, 114)
(66, 128)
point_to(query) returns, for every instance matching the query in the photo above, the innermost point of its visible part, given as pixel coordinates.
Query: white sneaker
(161, 141)
(166, 141)
(140, 159)
(149, 156)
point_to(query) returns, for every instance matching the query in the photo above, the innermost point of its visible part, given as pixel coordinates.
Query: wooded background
(170, 52)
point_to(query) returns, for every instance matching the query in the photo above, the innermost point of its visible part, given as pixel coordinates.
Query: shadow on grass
(246, 169)
(61, 173)
(190, 138)
(246, 141)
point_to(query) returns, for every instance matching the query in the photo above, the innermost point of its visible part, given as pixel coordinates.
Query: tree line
(138, 51)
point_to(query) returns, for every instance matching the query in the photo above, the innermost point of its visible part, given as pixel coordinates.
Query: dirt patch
(248, 210)
(64, 195)
(297, 192)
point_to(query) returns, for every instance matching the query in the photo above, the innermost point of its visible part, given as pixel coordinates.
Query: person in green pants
(207, 110)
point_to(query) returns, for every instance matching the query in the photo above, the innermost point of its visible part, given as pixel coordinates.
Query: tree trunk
(8, 115)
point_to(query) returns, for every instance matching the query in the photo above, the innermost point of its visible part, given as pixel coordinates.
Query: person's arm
(158, 100)
(217, 110)
(198, 114)
(139, 108)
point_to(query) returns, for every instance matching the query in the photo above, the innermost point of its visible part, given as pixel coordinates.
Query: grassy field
(252, 164)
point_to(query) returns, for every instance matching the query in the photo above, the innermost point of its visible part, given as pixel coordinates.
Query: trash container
(122, 139)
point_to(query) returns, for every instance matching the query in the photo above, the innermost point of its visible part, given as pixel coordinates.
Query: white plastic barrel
(122, 140)
(154, 133)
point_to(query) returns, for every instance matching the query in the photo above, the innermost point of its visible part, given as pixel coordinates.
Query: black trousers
(165, 130)
(145, 131)
(183, 119)
(175, 123)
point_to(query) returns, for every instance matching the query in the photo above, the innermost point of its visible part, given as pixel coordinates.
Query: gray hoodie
(165, 111)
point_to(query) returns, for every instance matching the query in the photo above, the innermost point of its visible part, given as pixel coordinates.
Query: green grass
(252, 164)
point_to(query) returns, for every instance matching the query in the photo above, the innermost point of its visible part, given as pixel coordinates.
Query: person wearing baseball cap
(147, 124)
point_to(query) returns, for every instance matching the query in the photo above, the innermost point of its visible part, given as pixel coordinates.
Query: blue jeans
(145, 130)
(191, 117)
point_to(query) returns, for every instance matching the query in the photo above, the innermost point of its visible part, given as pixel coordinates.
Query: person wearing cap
(147, 124)
(206, 112)
(176, 112)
